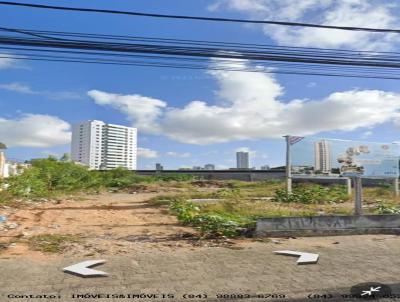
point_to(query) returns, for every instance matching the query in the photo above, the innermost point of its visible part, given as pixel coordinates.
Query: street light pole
(288, 166)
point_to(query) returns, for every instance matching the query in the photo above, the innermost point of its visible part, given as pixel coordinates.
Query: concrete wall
(259, 175)
(328, 225)
(244, 175)
(366, 182)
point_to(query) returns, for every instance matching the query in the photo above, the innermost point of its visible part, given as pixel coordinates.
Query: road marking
(82, 269)
(304, 258)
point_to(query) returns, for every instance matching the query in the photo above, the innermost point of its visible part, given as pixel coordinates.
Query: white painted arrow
(305, 258)
(82, 269)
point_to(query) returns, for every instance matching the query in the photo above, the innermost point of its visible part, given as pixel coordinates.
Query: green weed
(50, 243)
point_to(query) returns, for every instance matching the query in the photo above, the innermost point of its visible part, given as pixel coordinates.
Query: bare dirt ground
(147, 251)
(110, 223)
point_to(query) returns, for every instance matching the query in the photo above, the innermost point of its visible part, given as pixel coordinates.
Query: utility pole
(357, 196)
(288, 166)
(396, 186)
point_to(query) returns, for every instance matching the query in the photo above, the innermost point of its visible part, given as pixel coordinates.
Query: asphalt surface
(215, 273)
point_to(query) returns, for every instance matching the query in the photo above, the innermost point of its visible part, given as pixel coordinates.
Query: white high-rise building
(242, 160)
(104, 146)
(322, 152)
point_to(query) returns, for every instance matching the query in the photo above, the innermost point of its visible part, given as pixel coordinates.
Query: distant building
(209, 167)
(322, 157)
(197, 168)
(2, 165)
(14, 168)
(242, 160)
(265, 167)
(159, 167)
(102, 146)
(11, 167)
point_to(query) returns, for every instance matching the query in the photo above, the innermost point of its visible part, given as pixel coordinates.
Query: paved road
(218, 270)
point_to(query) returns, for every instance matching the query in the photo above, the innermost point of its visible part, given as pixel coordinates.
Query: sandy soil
(111, 223)
(119, 224)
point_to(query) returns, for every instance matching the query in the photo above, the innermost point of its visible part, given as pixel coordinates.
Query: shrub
(120, 178)
(383, 208)
(209, 225)
(184, 211)
(47, 177)
(216, 225)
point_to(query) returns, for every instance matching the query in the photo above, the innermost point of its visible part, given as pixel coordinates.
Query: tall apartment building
(322, 156)
(103, 146)
(242, 160)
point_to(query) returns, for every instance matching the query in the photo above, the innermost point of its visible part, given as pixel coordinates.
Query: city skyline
(193, 117)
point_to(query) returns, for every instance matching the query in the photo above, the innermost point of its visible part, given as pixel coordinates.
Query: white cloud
(143, 111)
(251, 109)
(147, 153)
(34, 130)
(357, 13)
(177, 154)
(7, 61)
(17, 87)
(54, 95)
(366, 134)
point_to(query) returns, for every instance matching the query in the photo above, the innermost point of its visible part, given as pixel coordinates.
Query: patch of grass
(381, 192)
(387, 208)
(167, 199)
(312, 194)
(51, 243)
(6, 199)
(238, 207)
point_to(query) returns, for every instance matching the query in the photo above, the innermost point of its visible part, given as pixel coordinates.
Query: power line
(59, 34)
(207, 52)
(198, 18)
(192, 54)
(179, 66)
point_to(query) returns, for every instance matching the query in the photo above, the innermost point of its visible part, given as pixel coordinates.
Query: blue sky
(195, 117)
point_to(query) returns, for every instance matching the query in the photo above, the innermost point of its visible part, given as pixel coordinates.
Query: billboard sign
(330, 157)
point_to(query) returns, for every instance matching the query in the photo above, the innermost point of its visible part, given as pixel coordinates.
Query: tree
(65, 157)
(2, 146)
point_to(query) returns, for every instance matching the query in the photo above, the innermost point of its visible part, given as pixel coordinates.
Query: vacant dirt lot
(147, 251)
(111, 224)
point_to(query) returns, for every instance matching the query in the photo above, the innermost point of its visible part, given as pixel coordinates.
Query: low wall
(244, 175)
(366, 182)
(328, 225)
(260, 175)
